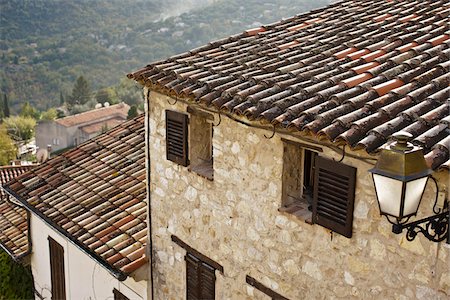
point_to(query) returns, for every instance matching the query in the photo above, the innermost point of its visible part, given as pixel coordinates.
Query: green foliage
(132, 112)
(49, 115)
(20, 129)
(106, 95)
(61, 98)
(81, 92)
(8, 149)
(105, 39)
(60, 114)
(16, 281)
(28, 111)
(5, 106)
(129, 92)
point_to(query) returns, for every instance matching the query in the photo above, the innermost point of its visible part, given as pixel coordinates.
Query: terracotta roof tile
(349, 68)
(95, 194)
(13, 218)
(117, 110)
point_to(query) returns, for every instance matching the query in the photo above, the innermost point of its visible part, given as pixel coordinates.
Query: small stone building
(259, 149)
(73, 130)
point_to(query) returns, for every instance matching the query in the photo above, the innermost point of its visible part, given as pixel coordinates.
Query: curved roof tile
(379, 57)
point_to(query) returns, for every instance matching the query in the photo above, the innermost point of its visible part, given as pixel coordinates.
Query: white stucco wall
(85, 278)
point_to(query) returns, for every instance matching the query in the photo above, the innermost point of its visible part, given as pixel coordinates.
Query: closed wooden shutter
(200, 279)
(207, 282)
(57, 270)
(334, 195)
(177, 137)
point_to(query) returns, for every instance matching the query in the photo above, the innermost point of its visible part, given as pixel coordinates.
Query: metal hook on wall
(273, 134)
(176, 100)
(220, 120)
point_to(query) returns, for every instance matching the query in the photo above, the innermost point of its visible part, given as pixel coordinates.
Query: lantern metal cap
(401, 159)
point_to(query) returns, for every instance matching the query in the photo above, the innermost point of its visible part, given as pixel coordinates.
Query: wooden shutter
(192, 280)
(200, 279)
(207, 282)
(57, 270)
(118, 295)
(177, 137)
(334, 195)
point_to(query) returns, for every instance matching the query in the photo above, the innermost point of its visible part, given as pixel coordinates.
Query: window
(316, 189)
(57, 270)
(200, 273)
(200, 279)
(118, 295)
(298, 179)
(200, 141)
(189, 140)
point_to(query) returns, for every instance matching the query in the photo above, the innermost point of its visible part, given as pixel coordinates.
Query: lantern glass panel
(389, 193)
(413, 194)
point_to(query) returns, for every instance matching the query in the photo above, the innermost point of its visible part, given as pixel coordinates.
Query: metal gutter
(119, 275)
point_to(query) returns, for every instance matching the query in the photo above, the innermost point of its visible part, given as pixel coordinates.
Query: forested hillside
(47, 44)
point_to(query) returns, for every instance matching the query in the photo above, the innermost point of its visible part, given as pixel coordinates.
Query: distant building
(73, 130)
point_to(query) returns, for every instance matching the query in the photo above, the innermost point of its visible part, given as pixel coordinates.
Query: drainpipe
(149, 214)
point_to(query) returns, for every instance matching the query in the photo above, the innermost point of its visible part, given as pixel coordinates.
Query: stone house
(73, 130)
(85, 214)
(259, 147)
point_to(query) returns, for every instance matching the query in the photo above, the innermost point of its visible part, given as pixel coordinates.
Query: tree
(106, 95)
(8, 150)
(132, 112)
(61, 99)
(29, 111)
(81, 92)
(49, 115)
(20, 129)
(5, 106)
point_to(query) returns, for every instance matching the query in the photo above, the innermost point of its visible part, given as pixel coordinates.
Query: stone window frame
(201, 159)
(264, 289)
(298, 206)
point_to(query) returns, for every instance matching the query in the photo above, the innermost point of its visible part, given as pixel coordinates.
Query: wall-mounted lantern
(400, 177)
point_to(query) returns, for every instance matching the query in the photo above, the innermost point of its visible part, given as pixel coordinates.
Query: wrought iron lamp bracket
(434, 228)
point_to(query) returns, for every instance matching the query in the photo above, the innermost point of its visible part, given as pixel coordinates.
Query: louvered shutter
(57, 270)
(207, 282)
(192, 278)
(177, 137)
(200, 279)
(334, 195)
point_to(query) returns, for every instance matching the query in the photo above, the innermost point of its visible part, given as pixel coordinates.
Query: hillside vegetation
(47, 44)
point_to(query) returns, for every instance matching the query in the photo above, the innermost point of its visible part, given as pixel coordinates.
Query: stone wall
(235, 221)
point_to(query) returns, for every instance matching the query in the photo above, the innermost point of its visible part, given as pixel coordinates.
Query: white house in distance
(88, 218)
(73, 130)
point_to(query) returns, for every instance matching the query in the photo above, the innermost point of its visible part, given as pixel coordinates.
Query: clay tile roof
(95, 194)
(99, 114)
(13, 218)
(349, 68)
